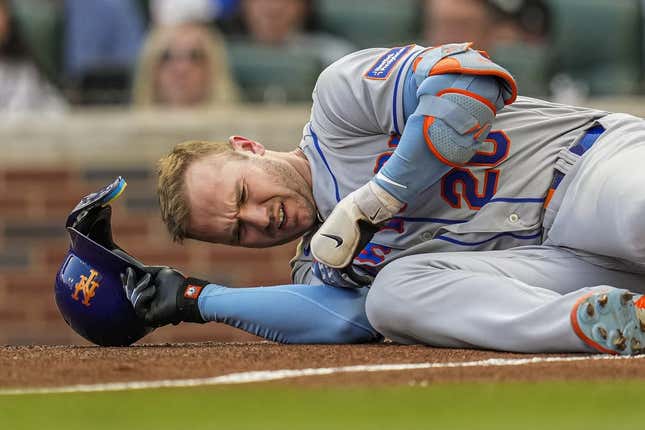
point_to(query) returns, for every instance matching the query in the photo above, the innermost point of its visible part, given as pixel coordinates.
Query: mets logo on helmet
(87, 285)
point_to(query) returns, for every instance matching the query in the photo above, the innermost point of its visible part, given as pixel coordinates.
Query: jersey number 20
(460, 184)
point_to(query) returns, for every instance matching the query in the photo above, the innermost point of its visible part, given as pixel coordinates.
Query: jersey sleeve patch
(382, 68)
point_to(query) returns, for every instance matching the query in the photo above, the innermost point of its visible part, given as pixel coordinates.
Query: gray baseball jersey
(533, 264)
(496, 202)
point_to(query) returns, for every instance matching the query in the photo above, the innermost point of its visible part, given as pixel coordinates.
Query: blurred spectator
(283, 23)
(183, 66)
(102, 42)
(486, 22)
(23, 87)
(173, 12)
(515, 33)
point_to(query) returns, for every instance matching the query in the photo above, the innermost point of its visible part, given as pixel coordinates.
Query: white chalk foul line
(274, 375)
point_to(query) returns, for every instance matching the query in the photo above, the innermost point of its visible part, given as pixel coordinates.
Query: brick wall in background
(35, 199)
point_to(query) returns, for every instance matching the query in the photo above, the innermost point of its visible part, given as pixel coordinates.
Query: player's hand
(137, 291)
(352, 224)
(350, 277)
(167, 298)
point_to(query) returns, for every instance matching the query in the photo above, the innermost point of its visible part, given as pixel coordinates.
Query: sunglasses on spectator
(190, 55)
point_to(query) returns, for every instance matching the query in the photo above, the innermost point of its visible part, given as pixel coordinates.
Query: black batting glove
(168, 298)
(137, 291)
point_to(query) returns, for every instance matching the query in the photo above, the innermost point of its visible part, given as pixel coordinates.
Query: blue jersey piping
(396, 90)
(433, 220)
(517, 200)
(513, 235)
(322, 156)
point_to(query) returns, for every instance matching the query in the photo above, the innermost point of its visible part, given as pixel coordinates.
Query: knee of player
(380, 312)
(402, 290)
(349, 323)
(386, 307)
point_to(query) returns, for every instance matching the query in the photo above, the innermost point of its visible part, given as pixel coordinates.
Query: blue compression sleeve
(292, 313)
(412, 165)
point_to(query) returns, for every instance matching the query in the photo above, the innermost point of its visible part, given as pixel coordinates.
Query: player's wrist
(376, 204)
(188, 300)
(391, 204)
(175, 299)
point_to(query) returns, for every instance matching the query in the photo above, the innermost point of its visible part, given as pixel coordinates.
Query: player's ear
(241, 143)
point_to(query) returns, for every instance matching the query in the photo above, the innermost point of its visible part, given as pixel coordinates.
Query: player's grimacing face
(252, 201)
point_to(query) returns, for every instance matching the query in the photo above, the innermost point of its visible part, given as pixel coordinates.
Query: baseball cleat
(612, 322)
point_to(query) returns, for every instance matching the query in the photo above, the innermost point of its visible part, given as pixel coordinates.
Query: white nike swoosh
(384, 178)
(338, 239)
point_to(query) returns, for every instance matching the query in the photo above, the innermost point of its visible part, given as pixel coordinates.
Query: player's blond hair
(223, 88)
(171, 185)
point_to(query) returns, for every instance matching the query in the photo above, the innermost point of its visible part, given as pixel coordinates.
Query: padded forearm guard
(459, 92)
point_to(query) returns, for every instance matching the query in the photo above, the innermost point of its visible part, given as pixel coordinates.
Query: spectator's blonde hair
(171, 185)
(222, 88)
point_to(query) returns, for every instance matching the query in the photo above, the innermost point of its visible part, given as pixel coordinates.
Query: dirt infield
(55, 366)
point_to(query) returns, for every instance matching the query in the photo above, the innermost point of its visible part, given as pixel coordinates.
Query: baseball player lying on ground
(434, 207)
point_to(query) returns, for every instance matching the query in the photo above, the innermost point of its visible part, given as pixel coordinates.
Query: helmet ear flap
(97, 225)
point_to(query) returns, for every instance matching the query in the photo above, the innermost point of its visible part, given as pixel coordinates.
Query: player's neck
(299, 161)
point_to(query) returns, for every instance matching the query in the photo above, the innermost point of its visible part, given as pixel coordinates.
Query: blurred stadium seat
(42, 24)
(596, 42)
(599, 42)
(371, 23)
(267, 74)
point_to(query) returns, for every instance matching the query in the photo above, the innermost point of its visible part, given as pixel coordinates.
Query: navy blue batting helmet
(89, 293)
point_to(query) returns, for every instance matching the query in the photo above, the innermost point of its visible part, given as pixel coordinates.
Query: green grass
(524, 406)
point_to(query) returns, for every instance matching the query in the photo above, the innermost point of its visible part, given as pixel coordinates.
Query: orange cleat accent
(581, 334)
(609, 322)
